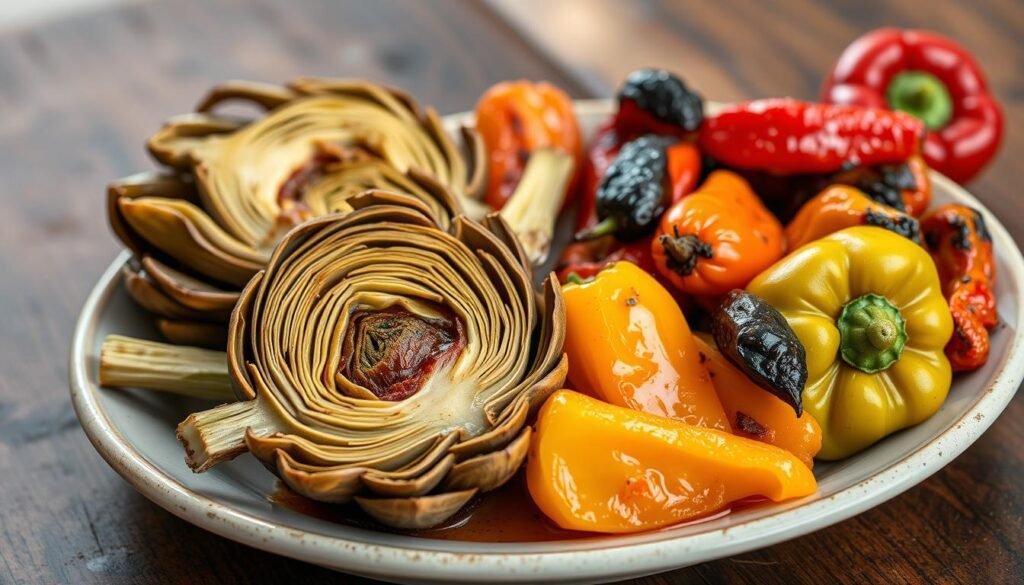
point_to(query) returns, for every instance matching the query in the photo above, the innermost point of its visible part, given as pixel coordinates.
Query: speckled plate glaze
(134, 432)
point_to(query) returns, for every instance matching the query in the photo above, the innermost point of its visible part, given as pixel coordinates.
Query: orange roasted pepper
(754, 412)
(718, 238)
(839, 207)
(516, 118)
(628, 344)
(961, 247)
(602, 468)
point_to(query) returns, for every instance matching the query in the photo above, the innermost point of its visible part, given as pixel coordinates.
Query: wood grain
(78, 97)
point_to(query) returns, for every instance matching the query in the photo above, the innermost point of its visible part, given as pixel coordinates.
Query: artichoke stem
(213, 436)
(126, 362)
(532, 209)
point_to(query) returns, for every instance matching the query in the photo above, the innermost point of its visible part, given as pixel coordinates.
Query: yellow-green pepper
(868, 307)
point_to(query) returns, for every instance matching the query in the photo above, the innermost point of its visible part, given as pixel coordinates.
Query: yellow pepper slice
(628, 344)
(603, 468)
(756, 413)
(868, 307)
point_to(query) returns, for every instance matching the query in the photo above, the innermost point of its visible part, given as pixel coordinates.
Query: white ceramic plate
(134, 432)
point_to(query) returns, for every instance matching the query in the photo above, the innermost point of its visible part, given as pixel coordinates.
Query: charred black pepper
(757, 339)
(664, 97)
(635, 190)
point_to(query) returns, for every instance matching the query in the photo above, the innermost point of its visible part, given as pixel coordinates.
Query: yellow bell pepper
(868, 307)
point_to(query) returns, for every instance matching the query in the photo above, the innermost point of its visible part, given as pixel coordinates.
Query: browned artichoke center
(315, 168)
(392, 352)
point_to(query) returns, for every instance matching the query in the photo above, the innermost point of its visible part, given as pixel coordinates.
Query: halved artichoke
(389, 357)
(202, 228)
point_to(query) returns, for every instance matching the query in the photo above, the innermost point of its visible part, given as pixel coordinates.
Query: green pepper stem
(872, 333)
(606, 227)
(922, 95)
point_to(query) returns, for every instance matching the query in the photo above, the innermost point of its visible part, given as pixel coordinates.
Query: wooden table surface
(79, 95)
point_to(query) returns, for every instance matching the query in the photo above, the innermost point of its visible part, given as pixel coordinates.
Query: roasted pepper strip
(788, 136)
(717, 238)
(840, 207)
(868, 306)
(628, 343)
(961, 246)
(754, 412)
(933, 78)
(602, 468)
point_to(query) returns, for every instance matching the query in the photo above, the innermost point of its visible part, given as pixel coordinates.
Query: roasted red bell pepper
(931, 77)
(961, 246)
(788, 136)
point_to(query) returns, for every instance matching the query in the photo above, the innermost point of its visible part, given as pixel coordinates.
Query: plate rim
(605, 563)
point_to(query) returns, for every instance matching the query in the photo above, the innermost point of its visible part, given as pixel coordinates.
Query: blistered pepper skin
(628, 344)
(840, 206)
(813, 285)
(754, 412)
(598, 467)
(961, 246)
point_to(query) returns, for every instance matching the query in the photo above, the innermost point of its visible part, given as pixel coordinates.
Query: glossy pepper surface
(717, 238)
(754, 412)
(516, 118)
(961, 246)
(788, 136)
(840, 207)
(603, 468)
(868, 306)
(628, 343)
(933, 78)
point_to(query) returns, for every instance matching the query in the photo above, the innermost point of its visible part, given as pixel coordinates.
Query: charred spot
(979, 226)
(961, 232)
(931, 238)
(703, 358)
(899, 176)
(747, 424)
(901, 224)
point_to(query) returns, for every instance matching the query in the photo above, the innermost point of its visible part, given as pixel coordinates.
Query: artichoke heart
(390, 356)
(201, 228)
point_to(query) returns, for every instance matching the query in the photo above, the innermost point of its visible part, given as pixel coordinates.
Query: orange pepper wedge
(754, 412)
(602, 468)
(628, 344)
(514, 119)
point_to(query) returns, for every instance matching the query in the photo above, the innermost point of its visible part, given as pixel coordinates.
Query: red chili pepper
(933, 78)
(603, 149)
(788, 136)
